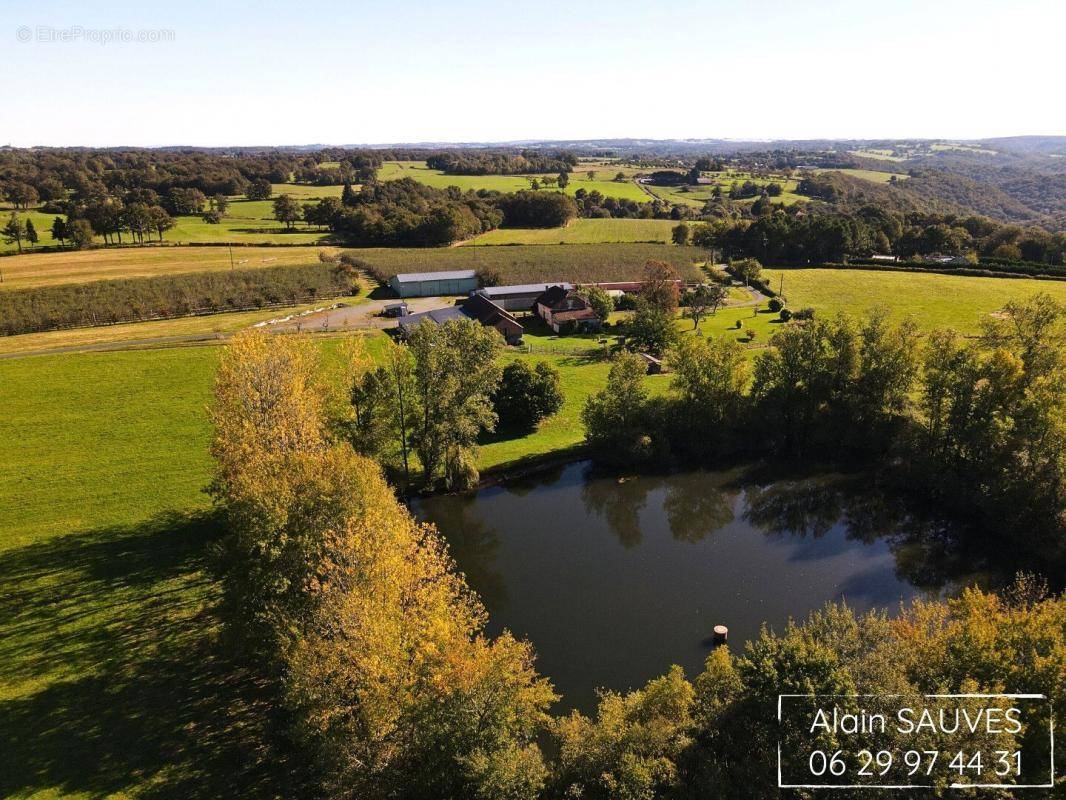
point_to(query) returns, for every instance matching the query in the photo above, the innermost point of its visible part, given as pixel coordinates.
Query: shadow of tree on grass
(115, 677)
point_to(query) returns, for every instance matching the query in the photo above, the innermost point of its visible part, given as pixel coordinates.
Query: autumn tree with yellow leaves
(377, 640)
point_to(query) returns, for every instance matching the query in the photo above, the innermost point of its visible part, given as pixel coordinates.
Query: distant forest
(1020, 183)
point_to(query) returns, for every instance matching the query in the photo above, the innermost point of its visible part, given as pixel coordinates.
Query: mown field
(933, 300)
(77, 266)
(112, 680)
(583, 231)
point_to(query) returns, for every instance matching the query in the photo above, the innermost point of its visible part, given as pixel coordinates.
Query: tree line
(481, 163)
(377, 647)
(976, 426)
(790, 235)
(136, 299)
(408, 213)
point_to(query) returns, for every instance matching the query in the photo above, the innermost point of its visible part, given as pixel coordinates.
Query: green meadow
(417, 170)
(696, 196)
(932, 299)
(246, 221)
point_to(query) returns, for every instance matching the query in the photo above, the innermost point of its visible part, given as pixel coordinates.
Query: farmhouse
(475, 307)
(519, 297)
(566, 309)
(432, 284)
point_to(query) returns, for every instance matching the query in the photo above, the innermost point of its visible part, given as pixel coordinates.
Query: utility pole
(230, 248)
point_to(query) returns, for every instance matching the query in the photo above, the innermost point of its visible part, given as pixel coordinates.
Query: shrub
(775, 305)
(785, 315)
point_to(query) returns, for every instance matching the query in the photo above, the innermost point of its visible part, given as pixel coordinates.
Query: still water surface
(614, 581)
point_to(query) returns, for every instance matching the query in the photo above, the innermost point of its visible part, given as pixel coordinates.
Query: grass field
(41, 221)
(246, 221)
(143, 334)
(76, 266)
(880, 155)
(577, 263)
(933, 300)
(583, 231)
(417, 170)
(696, 196)
(112, 681)
(872, 175)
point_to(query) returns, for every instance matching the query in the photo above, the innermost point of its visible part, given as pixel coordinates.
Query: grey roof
(521, 288)
(438, 315)
(455, 274)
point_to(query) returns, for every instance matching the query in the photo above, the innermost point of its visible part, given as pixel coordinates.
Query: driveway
(361, 315)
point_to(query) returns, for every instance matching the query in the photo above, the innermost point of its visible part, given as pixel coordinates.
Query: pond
(613, 580)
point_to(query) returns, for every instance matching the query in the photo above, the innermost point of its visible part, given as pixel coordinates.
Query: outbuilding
(476, 307)
(434, 284)
(518, 297)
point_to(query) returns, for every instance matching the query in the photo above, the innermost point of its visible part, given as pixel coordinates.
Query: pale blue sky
(359, 72)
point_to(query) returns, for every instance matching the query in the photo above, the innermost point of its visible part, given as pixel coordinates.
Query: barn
(434, 284)
(520, 297)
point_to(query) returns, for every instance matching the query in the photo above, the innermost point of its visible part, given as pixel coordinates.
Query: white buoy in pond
(721, 633)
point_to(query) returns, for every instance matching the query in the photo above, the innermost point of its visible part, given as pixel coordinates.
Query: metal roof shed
(434, 284)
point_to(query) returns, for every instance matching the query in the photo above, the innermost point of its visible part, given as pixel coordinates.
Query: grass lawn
(583, 231)
(76, 266)
(933, 300)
